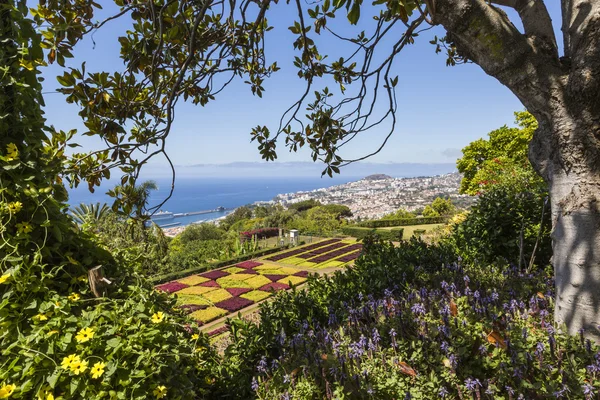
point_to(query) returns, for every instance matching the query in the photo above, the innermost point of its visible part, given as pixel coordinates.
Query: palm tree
(142, 192)
(136, 197)
(86, 213)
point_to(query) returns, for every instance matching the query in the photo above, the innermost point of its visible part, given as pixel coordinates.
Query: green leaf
(54, 377)
(114, 342)
(354, 14)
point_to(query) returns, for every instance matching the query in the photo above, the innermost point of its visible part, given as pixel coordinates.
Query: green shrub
(193, 254)
(384, 223)
(385, 234)
(492, 230)
(410, 322)
(196, 232)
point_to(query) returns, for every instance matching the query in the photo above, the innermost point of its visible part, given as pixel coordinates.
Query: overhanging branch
(485, 35)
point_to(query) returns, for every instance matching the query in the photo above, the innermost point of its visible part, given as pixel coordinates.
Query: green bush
(493, 228)
(193, 254)
(411, 322)
(384, 223)
(386, 234)
(204, 231)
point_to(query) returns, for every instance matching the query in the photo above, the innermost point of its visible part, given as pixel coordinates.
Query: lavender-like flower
(254, 384)
(418, 308)
(539, 349)
(453, 361)
(443, 392)
(472, 384)
(588, 390)
(375, 336)
(262, 365)
(444, 346)
(561, 393)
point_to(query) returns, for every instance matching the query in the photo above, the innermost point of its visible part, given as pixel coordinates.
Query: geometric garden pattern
(216, 293)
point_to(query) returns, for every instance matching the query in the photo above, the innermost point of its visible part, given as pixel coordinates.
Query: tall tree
(192, 49)
(500, 159)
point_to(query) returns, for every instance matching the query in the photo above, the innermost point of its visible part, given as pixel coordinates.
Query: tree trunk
(565, 151)
(563, 94)
(576, 258)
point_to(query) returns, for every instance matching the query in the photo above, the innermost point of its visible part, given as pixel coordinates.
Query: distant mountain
(309, 169)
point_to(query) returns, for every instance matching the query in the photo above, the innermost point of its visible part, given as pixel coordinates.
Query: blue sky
(441, 109)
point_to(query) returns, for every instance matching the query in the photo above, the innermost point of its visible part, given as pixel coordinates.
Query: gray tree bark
(564, 95)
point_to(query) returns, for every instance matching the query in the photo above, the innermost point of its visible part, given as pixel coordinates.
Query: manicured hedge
(385, 234)
(207, 267)
(384, 223)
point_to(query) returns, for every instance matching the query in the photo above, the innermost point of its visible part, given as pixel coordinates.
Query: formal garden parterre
(218, 293)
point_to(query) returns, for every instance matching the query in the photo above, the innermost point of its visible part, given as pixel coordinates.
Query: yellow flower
(84, 335)
(4, 278)
(160, 392)
(79, 367)
(7, 390)
(69, 360)
(41, 317)
(158, 317)
(74, 296)
(24, 227)
(15, 207)
(195, 336)
(97, 370)
(11, 151)
(82, 278)
(45, 393)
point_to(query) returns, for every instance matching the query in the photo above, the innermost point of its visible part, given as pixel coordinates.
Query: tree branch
(505, 3)
(483, 34)
(537, 22)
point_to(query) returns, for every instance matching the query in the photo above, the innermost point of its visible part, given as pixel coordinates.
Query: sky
(441, 109)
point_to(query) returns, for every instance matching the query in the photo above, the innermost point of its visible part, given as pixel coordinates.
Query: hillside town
(378, 195)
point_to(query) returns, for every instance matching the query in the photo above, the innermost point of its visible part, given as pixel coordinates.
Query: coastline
(176, 230)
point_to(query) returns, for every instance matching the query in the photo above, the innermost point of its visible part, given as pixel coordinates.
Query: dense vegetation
(416, 321)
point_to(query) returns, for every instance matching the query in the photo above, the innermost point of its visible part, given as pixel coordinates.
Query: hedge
(386, 234)
(383, 223)
(207, 267)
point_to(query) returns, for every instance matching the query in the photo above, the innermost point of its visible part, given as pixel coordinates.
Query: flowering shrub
(262, 233)
(450, 332)
(58, 339)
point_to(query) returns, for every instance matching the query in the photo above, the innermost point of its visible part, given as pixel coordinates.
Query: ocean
(199, 194)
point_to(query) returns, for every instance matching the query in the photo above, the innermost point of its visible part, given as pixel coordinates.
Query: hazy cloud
(452, 153)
